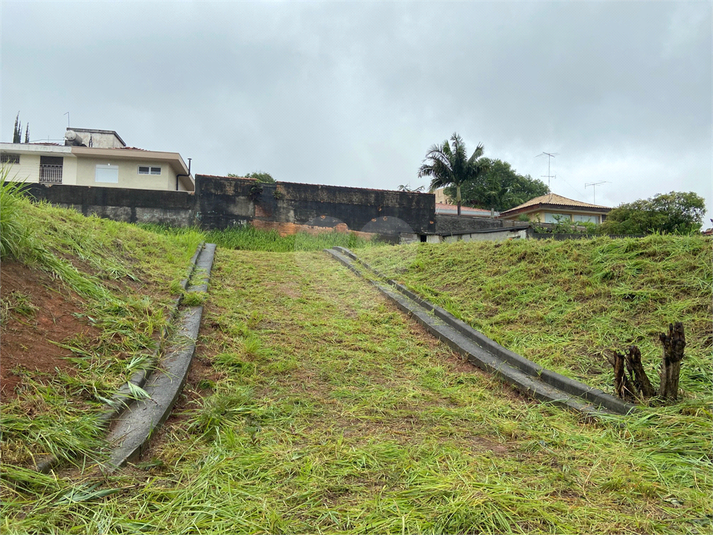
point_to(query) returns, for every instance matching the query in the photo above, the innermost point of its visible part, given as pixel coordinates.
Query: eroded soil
(38, 314)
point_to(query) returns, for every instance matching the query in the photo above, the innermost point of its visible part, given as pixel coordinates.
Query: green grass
(120, 279)
(247, 238)
(327, 410)
(564, 304)
(13, 234)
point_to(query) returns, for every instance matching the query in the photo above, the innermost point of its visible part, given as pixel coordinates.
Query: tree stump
(622, 385)
(636, 370)
(636, 384)
(673, 345)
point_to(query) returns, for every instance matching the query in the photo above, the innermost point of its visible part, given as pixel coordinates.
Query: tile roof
(553, 199)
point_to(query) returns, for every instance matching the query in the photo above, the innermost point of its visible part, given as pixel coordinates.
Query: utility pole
(594, 188)
(548, 176)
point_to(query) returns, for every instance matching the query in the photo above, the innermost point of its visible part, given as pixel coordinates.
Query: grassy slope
(334, 412)
(121, 279)
(563, 304)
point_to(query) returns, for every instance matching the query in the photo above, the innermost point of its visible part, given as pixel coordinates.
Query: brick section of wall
(287, 229)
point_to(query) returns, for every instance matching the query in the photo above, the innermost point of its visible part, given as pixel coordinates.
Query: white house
(96, 158)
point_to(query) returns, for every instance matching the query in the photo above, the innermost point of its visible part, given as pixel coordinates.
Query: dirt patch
(26, 338)
(479, 444)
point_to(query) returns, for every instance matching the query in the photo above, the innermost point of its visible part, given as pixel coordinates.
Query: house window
(107, 174)
(9, 158)
(586, 219)
(51, 169)
(552, 218)
(147, 170)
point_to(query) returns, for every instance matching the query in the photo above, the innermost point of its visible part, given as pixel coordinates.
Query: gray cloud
(355, 93)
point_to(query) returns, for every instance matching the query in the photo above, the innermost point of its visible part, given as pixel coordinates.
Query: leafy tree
(262, 178)
(449, 165)
(500, 188)
(667, 213)
(27, 133)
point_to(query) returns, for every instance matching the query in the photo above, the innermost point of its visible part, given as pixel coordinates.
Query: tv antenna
(594, 188)
(548, 176)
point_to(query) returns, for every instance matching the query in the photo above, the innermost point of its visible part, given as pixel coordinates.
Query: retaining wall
(453, 224)
(222, 202)
(174, 208)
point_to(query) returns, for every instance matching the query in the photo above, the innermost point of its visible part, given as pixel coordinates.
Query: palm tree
(449, 165)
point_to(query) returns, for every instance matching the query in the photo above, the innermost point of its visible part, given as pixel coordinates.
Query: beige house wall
(538, 216)
(28, 170)
(79, 166)
(129, 176)
(441, 196)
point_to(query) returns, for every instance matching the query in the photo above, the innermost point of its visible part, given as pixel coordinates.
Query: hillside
(83, 303)
(314, 405)
(564, 304)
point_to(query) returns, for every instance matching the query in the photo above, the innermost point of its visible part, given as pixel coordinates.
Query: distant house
(445, 206)
(552, 207)
(465, 211)
(441, 197)
(96, 158)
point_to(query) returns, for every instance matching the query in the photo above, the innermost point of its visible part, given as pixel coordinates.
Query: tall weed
(14, 234)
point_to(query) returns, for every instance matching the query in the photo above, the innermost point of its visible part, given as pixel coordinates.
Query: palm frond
(448, 164)
(477, 153)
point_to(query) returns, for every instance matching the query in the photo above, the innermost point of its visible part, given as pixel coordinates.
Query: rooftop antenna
(67, 114)
(548, 176)
(594, 188)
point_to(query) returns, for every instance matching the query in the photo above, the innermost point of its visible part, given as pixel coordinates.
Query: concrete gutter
(526, 376)
(131, 431)
(123, 397)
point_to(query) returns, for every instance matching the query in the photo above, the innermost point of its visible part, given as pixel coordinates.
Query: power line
(561, 177)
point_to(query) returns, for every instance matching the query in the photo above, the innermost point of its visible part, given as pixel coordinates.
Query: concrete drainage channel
(526, 376)
(131, 421)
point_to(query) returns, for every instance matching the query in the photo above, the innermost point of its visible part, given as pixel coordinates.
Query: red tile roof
(448, 209)
(554, 200)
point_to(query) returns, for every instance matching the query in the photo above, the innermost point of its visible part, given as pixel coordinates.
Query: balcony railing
(50, 174)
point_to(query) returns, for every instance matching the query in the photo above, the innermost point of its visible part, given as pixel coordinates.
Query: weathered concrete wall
(453, 224)
(174, 208)
(224, 202)
(496, 235)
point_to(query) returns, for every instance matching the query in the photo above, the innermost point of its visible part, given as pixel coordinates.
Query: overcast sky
(355, 93)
